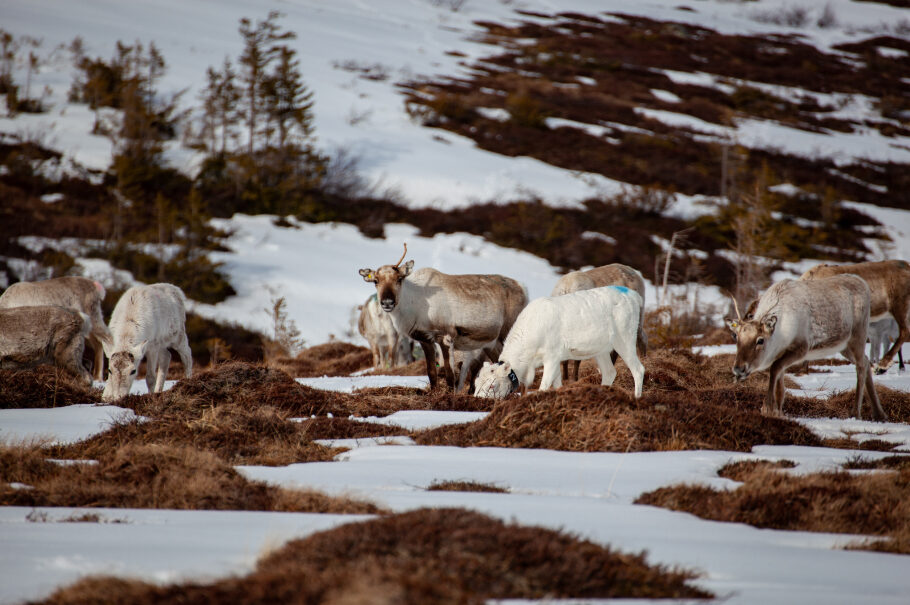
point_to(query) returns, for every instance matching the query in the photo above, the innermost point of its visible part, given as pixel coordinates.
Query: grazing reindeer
(805, 320)
(579, 325)
(473, 311)
(889, 284)
(31, 336)
(75, 293)
(607, 275)
(145, 322)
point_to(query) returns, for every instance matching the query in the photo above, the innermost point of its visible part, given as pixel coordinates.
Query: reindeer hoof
(879, 371)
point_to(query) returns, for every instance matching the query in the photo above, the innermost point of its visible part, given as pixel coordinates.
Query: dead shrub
(160, 476)
(344, 428)
(876, 504)
(465, 486)
(329, 359)
(587, 418)
(42, 387)
(426, 556)
(742, 470)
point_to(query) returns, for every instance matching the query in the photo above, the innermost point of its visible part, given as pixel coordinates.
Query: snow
(404, 39)
(588, 494)
(42, 551)
(59, 425)
(315, 268)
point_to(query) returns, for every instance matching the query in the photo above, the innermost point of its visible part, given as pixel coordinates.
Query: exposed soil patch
(839, 502)
(425, 556)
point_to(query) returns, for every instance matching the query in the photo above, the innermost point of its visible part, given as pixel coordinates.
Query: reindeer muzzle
(740, 373)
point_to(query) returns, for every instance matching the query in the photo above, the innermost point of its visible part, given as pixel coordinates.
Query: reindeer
(389, 348)
(474, 311)
(889, 284)
(607, 275)
(47, 334)
(146, 321)
(75, 293)
(579, 325)
(881, 334)
(800, 320)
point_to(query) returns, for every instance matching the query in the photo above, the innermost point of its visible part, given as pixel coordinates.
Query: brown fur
(467, 311)
(31, 336)
(889, 285)
(76, 293)
(804, 320)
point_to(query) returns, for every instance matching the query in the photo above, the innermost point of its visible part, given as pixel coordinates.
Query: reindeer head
(496, 380)
(752, 337)
(388, 280)
(124, 365)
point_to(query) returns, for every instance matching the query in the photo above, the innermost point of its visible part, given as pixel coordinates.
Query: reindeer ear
(138, 352)
(770, 323)
(486, 363)
(733, 324)
(506, 368)
(405, 269)
(367, 275)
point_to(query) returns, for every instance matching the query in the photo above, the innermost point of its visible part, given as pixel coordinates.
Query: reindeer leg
(429, 356)
(565, 371)
(903, 323)
(576, 364)
(550, 377)
(447, 367)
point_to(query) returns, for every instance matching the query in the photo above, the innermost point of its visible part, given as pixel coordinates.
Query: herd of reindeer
(481, 330)
(484, 327)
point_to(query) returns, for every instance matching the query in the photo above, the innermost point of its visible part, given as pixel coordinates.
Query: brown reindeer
(473, 311)
(75, 293)
(889, 284)
(608, 275)
(798, 320)
(31, 336)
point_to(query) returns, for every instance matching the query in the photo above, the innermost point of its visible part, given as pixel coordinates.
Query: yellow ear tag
(370, 276)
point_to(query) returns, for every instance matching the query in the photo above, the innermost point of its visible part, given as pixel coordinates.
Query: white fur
(146, 321)
(881, 334)
(580, 325)
(389, 348)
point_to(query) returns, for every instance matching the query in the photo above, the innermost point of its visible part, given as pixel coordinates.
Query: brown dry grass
(42, 387)
(151, 476)
(425, 556)
(328, 359)
(876, 504)
(465, 486)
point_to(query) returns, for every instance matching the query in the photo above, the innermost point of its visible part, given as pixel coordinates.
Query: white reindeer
(389, 348)
(796, 321)
(881, 334)
(579, 325)
(889, 286)
(145, 322)
(474, 311)
(615, 274)
(75, 293)
(31, 336)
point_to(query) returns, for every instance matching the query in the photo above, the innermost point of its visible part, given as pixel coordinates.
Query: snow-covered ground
(400, 39)
(315, 268)
(589, 494)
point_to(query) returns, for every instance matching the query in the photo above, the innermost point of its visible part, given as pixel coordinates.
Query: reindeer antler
(736, 307)
(403, 254)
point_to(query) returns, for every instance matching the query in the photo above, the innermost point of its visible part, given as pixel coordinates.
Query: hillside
(585, 135)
